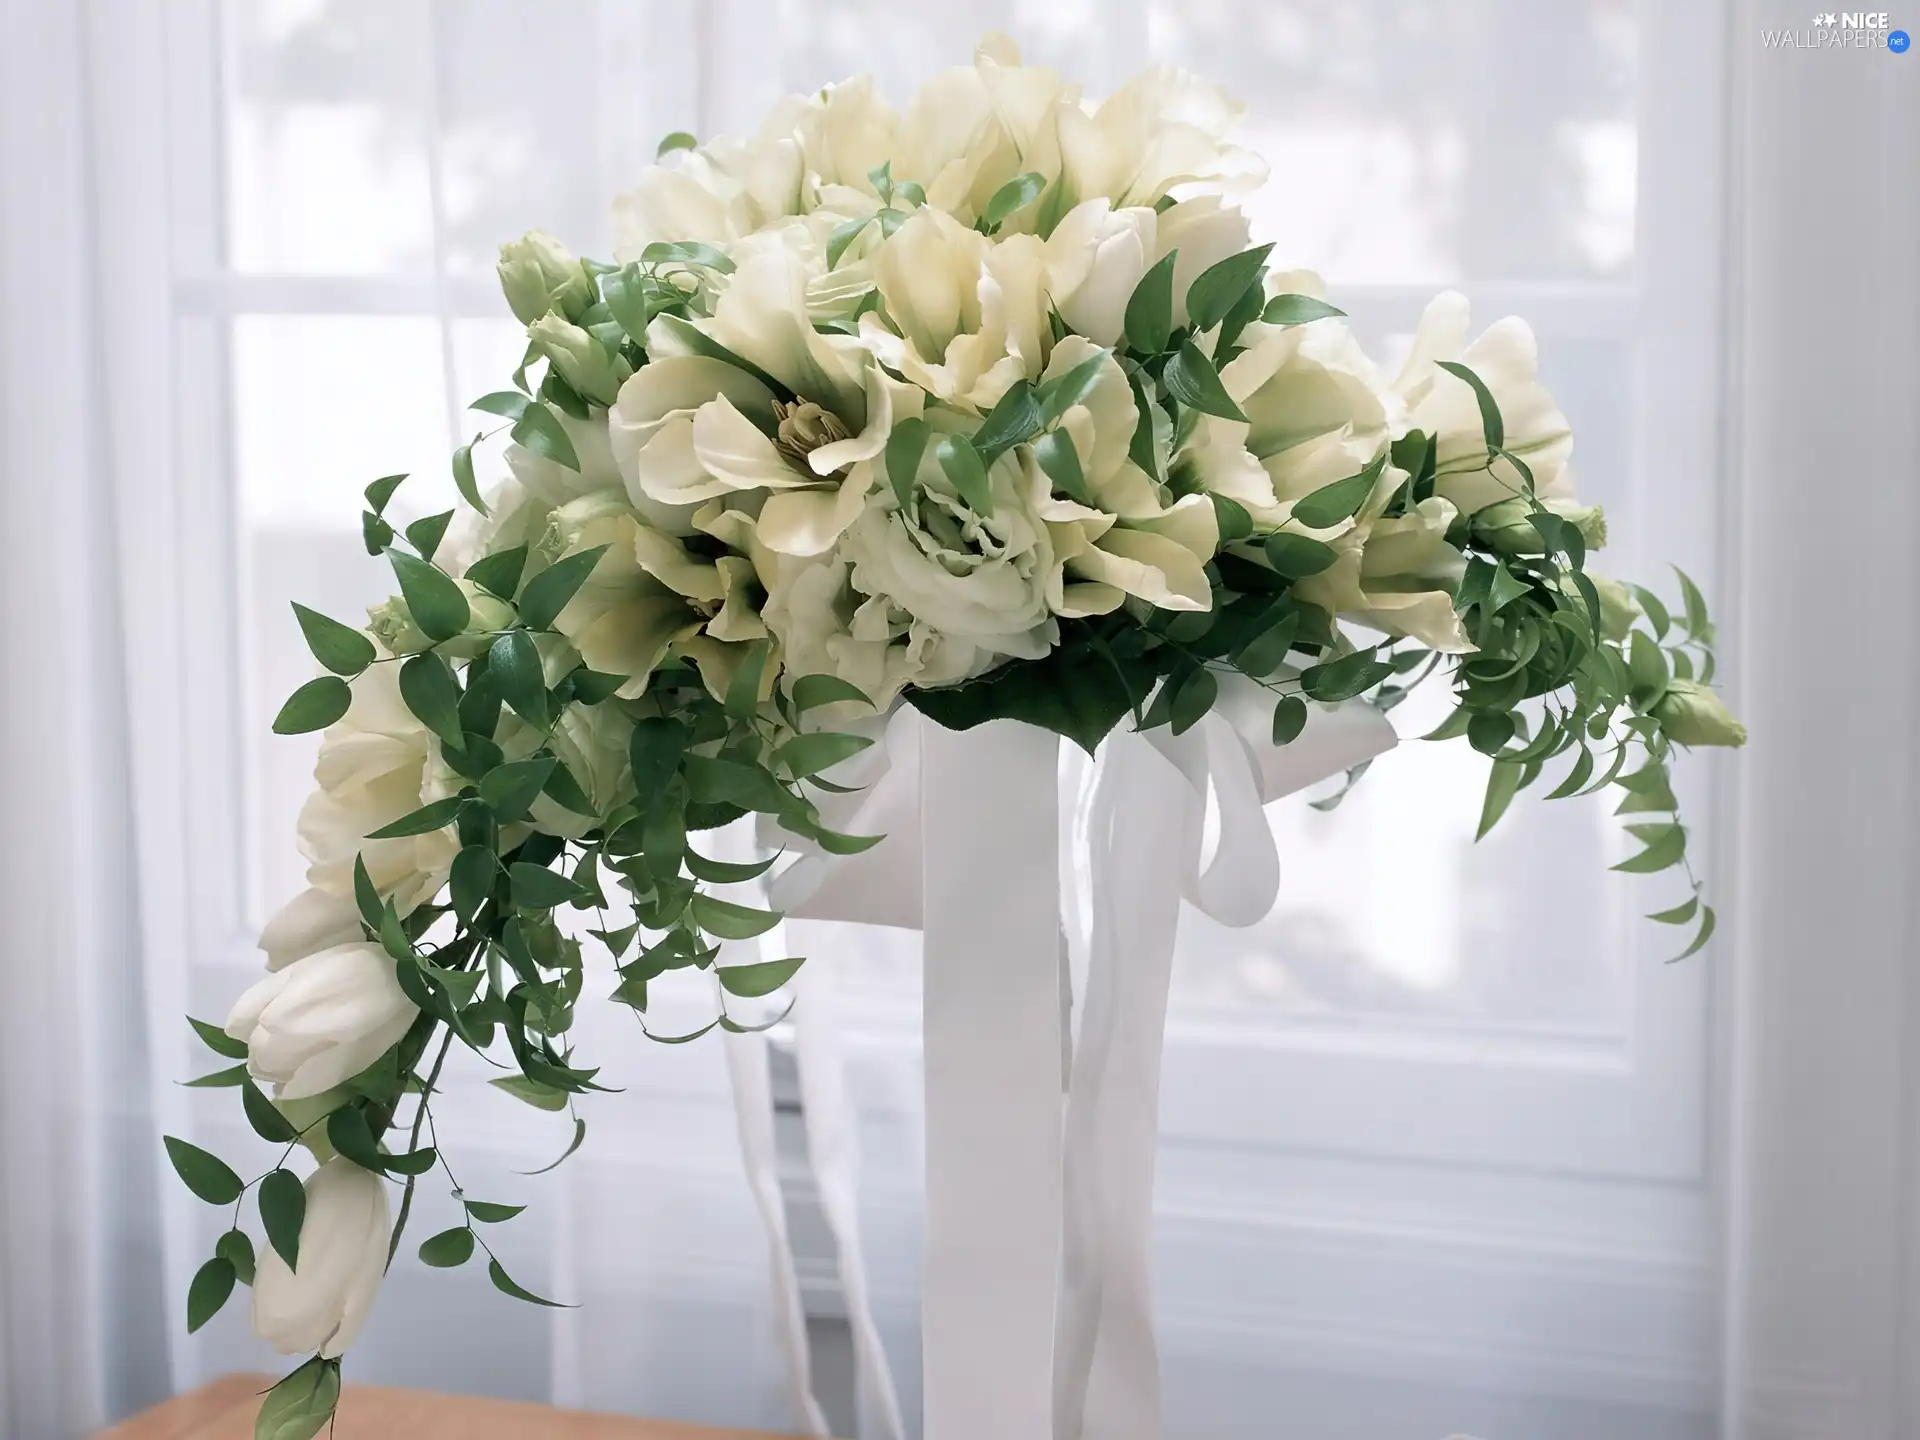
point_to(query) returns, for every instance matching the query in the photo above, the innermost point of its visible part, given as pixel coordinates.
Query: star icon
(1829, 19)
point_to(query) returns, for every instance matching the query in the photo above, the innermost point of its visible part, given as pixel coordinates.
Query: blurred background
(1446, 1146)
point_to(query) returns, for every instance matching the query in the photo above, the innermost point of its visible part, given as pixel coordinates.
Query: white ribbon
(971, 857)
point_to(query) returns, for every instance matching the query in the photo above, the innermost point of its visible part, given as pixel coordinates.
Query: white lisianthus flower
(583, 362)
(714, 193)
(1398, 576)
(1693, 715)
(1095, 258)
(825, 626)
(320, 1307)
(1165, 127)
(1204, 232)
(981, 578)
(968, 316)
(322, 1020)
(846, 132)
(376, 764)
(1507, 361)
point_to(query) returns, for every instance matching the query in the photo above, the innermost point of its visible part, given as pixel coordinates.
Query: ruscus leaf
(314, 706)
(206, 1175)
(340, 649)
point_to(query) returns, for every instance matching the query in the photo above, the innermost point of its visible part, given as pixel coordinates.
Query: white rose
(320, 1307)
(323, 1019)
(1095, 258)
(982, 578)
(1507, 361)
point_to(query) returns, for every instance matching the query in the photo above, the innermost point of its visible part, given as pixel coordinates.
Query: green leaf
(375, 533)
(538, 429)
(1699, 624)
(1060, 394)
(426, 533)
(1191, 379)
(590, 687)
(1665, 845)
(1268, 650)
(1231, 519)
(563, 789)
(1216, 289)
(267, 1121)
(300, 1406)
(843, 237)
(743, 691)
(728, 921)
(579, 1134)
(343, 651)
(548, 592)
(753, 981)
(686, 252)
(424, 821)
(1011, 198)
(1149, 316)
(207, 1176)
(1060, 463)
(212, 1283)
(1490, 423)
(725, 872)
(1298, 556)
(1702, 935)
(537, 888)
(1015, 417)
(432, 694)
(1194, 698)
(510, 790)
(1330, 504)
(1581, 772)
(1344, 678)
(1489, 731)
(348, 1132)
(314, 706)
(237, 1250)
(463, 477)
(1289, 719)
(381, 491)
(219, 1079)
(674, 140)
(514, 670)
(654, 752)
(806, 755)
(506, 1285)
(471, 879)
(810, 692)
(541, 1097)
(1144, 448)
(1503, 783)
(905, 446)
(509, 403)
(1296, 310)
(499, 573)
(436, 604)
(217, 1040)
(283, 1210)
(490, 1214)
(1680, 914)
(967, 472)
(448, 1249)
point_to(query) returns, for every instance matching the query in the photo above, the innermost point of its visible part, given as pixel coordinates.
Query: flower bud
(540, 275)
(583, 362)
(1505, 527)
(1617, 608)
(1692, 714)
(322, 1020)
(319, 1306)
(1095, 258)
(392, 625)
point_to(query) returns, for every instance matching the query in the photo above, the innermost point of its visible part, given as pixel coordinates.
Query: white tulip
(320, 1307)
(1095, 258)
(322, 1019)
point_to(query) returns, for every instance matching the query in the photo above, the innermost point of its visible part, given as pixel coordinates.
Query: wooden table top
(224, 1410)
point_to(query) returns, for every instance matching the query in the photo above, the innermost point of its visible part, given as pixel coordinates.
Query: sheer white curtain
(1423, 1170)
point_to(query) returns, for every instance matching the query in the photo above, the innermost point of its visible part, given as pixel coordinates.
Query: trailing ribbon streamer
(955, 826)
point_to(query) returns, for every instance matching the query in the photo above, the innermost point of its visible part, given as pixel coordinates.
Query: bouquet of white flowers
(989, 408)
